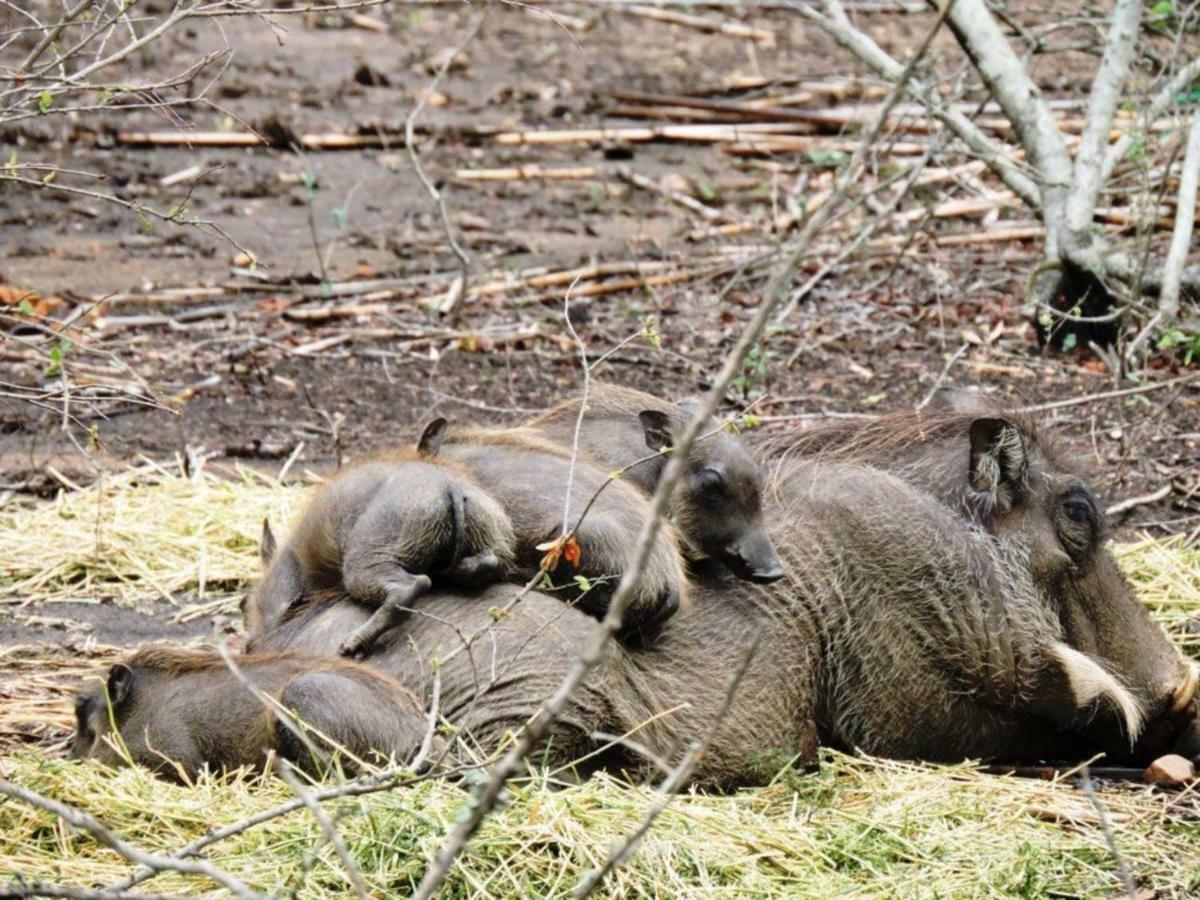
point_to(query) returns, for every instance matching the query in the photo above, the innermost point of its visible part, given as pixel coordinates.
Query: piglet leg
(401, 591)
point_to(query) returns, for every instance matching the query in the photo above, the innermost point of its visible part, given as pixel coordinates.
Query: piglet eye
(712, 479)
(1078, 512)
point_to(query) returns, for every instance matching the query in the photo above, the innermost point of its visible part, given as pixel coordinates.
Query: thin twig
(1109, 395)
(675, 779)
(597, 643)
(77, 818)
(457, 290)
(1085, 781)
(353, 874)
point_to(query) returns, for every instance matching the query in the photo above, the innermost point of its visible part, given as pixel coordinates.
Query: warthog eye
(1078, 512)
(712, 480)
(1079, 522)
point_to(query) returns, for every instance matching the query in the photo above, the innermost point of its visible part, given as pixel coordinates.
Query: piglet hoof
(353, 648)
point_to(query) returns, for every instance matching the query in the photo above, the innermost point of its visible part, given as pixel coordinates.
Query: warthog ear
(120, 679)
(266, 547)
(432, 437)
(656, 425)
(998, 459)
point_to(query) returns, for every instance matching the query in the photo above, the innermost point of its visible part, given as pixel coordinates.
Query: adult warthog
(908, 625)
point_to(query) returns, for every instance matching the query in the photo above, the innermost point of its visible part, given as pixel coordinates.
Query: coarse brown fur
(997, 468)
(528, 476)
(180, 711)
(716, 506)
(385, 529)
(905, 628)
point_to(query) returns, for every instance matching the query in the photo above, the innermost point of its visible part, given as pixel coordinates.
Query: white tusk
(1186, 691)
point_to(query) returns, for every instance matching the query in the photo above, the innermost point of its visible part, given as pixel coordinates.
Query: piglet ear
(656, 425)
(432, 437)
(120, 680)
(998, 457)
(267, 545)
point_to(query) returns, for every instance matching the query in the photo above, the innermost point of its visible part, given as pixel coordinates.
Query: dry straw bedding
(858, 827)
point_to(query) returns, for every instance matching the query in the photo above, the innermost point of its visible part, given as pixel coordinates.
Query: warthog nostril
(1185, 691)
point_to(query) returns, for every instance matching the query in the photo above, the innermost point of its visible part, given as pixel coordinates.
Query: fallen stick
(732, 29)
(529, 172)
(634, 135)
(1110, 395)
(1144, 500)
(328, 141)
(769, 144)
(649, 184)
(682, 115)
(1000, 236)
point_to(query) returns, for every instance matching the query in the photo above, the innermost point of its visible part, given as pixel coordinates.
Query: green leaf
(55, 362)
(1070, 340)
(340, 217)
(26, 307)
(706, 191)
(1163, 9)
(1172, 337)
(584, 584)
(45, 101)
(749, 420)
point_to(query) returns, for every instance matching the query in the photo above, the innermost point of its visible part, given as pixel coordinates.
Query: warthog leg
(403, 589)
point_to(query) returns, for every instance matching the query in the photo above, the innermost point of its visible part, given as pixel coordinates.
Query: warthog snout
(754, 558)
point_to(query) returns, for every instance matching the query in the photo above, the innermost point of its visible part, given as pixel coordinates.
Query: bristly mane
(523, 438)
(881, 439)
(175, 660)
(609, 401)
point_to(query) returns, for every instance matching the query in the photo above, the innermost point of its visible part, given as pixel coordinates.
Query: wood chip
(1171, 770)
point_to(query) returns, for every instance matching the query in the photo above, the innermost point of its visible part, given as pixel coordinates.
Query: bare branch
(1106, 93)
(285, 771)
(458, 290)
(77, 818)
(597, 643)
(675, 779)
(1181, 237)
(994, 155)
(1159, 104)
(1036, 127)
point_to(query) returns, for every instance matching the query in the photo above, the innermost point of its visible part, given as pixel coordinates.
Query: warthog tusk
(1186, 690)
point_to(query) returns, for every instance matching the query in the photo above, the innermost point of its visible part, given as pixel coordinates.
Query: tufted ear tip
(998, 456)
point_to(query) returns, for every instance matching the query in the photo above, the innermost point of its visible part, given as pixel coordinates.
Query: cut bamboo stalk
(720, 26)
(768, 144)
(1000, 236)
(530, 172)
(682, 114)
(633, 135)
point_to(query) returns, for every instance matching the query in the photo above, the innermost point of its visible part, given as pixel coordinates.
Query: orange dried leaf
(572, 552)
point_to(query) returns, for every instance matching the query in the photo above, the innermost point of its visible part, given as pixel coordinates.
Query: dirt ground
(328, 343)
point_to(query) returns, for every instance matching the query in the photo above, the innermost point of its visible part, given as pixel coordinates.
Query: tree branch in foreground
(538, 726)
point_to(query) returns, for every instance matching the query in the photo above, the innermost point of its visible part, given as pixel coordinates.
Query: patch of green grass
(886, 829)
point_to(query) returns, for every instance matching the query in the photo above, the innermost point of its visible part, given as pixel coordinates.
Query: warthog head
(998, 470)
(717, 504)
